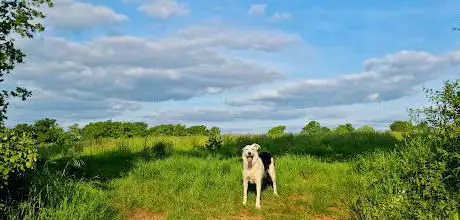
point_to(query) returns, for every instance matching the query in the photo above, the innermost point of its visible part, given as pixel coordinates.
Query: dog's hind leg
(272, 174)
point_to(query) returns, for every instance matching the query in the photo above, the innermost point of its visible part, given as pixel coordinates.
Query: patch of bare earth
(323, 217)
(297, 197)
(145, 214)
(244, 215)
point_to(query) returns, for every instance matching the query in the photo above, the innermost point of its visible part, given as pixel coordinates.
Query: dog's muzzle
(250, 157)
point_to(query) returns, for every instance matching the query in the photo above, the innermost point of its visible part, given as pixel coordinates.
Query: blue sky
(244, 66)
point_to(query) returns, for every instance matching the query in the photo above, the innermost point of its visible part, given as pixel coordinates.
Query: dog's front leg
(245, 191)
(258, 189)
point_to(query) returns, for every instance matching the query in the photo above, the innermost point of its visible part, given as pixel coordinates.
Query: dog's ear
(257, 146)
(242, 147)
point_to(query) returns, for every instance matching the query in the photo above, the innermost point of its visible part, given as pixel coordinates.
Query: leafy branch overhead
(16, 20)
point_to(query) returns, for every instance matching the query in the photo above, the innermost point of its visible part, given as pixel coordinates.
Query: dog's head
(250, 152)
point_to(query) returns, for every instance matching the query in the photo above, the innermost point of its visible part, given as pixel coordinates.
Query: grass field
(131, 179)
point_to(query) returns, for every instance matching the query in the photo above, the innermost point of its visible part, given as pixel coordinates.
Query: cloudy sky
(244, 66)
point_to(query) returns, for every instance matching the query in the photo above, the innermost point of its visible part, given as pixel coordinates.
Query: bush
(214, 142)
(407, 184)
(422, 181)
(159, 151)
(17, 155)
(401, 126)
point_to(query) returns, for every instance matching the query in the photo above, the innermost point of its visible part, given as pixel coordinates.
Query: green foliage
(56, 196)
(401, 126)
(312, 127)
(214, 131)
(330, 146)
(366, 128)
(24, 129)
(325, 129)
(17, 154)
(344, 129)
(75, 132)
(169, 130)
(276, 131)
(197, 130)
(422, 179)
(47, 130)
(17, 18)
(159, 151)
(407, 184)
(214, 142)
(103, 129)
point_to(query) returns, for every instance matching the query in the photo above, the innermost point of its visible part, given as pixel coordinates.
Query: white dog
(256, 166)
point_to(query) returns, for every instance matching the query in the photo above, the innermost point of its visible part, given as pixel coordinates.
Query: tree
(278, 130)
(366, 129)
(401, 126)
(47, 130)
(16, 19)
(344, 128)
(311, 128)
(75, 131)
(197, 130)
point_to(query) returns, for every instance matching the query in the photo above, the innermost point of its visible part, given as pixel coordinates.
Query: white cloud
(111, 73)
(73, 14)
(279, 16)
(391, 77)
(223, 115)
(164, 9)
(258, 9)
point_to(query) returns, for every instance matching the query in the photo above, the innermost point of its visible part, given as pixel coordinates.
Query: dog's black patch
(266, 159)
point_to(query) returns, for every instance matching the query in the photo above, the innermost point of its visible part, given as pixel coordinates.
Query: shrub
(159, 151)
(407, 184)
(401, 126)
(214, 142)
(422, 181)
(17, 155)
(214, 131)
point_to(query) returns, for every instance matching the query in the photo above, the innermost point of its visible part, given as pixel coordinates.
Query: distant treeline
(48, 131)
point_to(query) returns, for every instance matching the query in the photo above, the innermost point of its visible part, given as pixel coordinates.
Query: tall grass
(53, 196)
(178, 178)
(409, 183)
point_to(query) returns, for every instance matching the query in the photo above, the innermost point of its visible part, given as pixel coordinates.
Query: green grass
(125, 177)
(209, 187)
